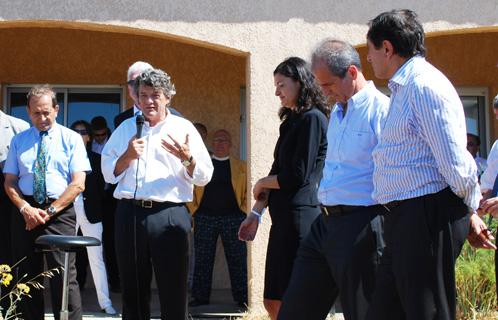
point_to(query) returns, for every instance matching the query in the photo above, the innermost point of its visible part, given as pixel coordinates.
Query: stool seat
(66, 243)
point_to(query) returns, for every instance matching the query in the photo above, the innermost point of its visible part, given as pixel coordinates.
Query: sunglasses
(83, 132)
(130, 82)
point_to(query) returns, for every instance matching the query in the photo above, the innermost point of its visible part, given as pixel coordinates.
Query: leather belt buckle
(146, 204)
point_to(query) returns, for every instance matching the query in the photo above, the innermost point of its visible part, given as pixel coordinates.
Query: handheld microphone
(140, 123)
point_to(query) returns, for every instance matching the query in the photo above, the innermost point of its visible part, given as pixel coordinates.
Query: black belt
(149, 204)
(393, 204)
(340, 210)
(43, 205)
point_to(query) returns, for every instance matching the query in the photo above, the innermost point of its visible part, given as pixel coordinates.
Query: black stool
(66, 244)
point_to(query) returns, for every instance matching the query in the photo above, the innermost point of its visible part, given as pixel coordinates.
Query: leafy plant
(21, 289)
(476, 283)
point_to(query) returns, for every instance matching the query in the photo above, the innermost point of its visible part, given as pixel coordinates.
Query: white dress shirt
(423, 149)
(161, 176)
(489, 175)
(347, 175)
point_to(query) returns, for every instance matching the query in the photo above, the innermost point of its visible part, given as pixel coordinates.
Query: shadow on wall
(227, 11)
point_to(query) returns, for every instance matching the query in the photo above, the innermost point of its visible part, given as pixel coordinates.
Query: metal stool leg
(64, 315)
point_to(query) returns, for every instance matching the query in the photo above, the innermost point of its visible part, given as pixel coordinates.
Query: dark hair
(87, 126)
(310, 95)
(99, 123)
(402, 29)
(478, 140)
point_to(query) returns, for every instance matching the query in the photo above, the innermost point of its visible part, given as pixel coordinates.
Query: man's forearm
(14, 193)
(122, 164)
(68, 196)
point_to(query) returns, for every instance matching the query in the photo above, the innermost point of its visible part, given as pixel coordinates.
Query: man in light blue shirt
(44, 172)
(423, 175)
(340, 254)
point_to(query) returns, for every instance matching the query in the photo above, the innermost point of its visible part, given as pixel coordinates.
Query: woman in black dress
(290, 189)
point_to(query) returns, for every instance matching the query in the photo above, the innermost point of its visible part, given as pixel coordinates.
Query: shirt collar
(49, 132)
(401, 76)
(358, 98)
(219, 159)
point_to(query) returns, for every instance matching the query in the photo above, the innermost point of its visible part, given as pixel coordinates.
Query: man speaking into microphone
(155, 164)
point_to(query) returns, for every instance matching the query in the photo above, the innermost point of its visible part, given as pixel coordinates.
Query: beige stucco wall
(268, 31)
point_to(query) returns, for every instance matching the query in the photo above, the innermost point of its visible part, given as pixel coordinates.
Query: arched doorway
(86, 60)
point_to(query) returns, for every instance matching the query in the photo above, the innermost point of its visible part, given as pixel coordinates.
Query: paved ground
(221, 307)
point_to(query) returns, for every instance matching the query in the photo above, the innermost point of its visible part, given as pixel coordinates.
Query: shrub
(476, 283)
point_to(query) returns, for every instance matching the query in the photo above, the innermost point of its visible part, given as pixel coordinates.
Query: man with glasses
(219, 208)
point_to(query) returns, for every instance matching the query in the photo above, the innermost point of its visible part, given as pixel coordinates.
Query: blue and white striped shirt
(422, 149)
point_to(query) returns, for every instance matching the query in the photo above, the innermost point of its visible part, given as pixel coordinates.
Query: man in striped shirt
(423, 175)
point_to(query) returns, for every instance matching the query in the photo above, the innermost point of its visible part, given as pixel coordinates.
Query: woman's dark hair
(402, 29)
(310, 95)
(87, 126)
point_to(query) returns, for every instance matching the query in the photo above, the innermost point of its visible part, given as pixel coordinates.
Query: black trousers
(153, 239)
(206, 232)
(416, 277)
(5, 234)
(338, 258)
(23, 246)
(108, 243)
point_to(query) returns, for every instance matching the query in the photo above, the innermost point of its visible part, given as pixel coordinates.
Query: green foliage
(476, 283)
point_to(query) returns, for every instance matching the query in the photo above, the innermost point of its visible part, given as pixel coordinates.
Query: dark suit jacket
(128, 113)
(93, 196)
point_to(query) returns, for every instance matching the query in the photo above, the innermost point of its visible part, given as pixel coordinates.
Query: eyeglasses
(131, 82)
(83, 132)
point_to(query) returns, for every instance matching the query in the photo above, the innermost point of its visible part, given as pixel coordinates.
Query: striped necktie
(39, 182)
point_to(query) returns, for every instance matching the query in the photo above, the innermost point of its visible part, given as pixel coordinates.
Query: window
(474, 102)
(75, 103)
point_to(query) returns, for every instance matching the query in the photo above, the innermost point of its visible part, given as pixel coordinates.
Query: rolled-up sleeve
(203, 170)
(489, 175)
(113, 149)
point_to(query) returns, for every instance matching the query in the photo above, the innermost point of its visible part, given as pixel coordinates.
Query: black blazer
(128, 113)
(299, 158)
(93, 196)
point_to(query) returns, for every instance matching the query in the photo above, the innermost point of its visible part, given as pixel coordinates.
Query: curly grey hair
(157, 79)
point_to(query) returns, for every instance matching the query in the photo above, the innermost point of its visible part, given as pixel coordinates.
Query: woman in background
(89, 209)
(290, 189)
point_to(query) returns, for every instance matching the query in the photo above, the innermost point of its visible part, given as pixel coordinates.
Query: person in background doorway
(89, 208)
(100, 133)
(219, 208)
(473, 145)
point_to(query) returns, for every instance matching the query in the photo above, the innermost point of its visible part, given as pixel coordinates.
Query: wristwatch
(51, 211)
(187, 163)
